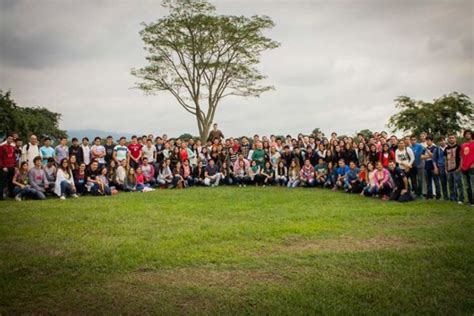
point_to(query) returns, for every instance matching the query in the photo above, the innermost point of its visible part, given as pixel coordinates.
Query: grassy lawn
(236, 251)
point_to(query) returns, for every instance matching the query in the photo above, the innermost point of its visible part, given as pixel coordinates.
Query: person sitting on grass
(341, 172)
(187, 173)
(331, 179)
(148, 172)
(50, 172)
(212, 175)
(103, 182)
(320, 172)
(92, 175)
(178, 176)
(266, 174)
(80, 179)
(227, 173)
(37, 178)
(64, 184)
(281, 174)
(22, 188)
(254, 173)
(370, 188)
(351, 179)
(307, 174)
(401, 192)
(293, 174)
(130, 181)
(382, 181)
(165, 176)
(242, 177)
(198, 175)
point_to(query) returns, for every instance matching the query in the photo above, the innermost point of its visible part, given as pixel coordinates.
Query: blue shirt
(418, 150)
(342, 171)
(47, 152)
(352, 174)
(438, 157)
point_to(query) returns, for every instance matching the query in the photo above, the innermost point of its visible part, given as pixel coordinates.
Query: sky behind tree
(340, 65)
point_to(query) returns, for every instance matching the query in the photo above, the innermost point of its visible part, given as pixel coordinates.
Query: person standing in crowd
(76, 150)
(405, 159)
(215, 133)
(418, 174)
(109, 149)
(121, 151)
(7, 166)
(401, 192)
(439, 160)
(61, 151)
(37, 178)
(86, 151)
(98, 152)
(30, 151)
(453, 170)
(467, 164)
(46, 151)
(149, 152)
(431, 169)
(134, 153)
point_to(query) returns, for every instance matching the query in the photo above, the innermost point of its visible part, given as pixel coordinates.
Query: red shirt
(135, 150)
(7, 156)
(467, 155)
(183, 154)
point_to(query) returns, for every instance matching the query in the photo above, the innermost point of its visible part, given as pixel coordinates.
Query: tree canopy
(447, 114)
(201, 57)
(28, 120)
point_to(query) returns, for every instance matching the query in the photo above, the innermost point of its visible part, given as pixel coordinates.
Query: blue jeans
(430, 178)
(469, 183)
(28, 191)
(66, 188)
(456, 188)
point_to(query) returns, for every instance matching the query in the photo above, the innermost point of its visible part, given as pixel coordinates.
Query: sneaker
(75, 196)
(18, 198)
(240, 185)
(460, 202)
(62, 197)
(245, 185)
(264, 185)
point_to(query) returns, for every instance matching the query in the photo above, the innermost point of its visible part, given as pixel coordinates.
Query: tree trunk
(205, 131)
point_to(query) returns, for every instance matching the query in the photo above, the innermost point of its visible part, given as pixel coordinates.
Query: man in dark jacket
(401, 192)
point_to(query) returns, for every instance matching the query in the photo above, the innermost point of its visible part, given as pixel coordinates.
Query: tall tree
(446, 114)
(26, 120)
(201, 57)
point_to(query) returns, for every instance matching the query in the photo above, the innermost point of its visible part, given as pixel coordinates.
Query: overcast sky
(339, 67)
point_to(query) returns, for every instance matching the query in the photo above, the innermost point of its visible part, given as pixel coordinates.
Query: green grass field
(232, 250)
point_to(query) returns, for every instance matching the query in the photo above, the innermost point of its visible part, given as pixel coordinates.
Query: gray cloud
(340, 65)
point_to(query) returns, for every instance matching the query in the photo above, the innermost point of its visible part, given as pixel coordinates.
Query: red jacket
(7, 156)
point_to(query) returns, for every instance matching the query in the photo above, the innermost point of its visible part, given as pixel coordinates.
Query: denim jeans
(430, 178)
(456, 188)
(443, 178)
(469, 183)
(28, 191)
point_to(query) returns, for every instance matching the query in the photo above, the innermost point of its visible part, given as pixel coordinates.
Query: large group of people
(379, 166)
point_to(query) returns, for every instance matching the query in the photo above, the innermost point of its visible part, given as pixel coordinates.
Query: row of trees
(27, 120)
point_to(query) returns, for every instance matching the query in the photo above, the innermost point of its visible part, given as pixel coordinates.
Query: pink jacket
(237, 167)
(385, 178)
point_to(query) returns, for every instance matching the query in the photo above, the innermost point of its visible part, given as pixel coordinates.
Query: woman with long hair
(64, 184)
